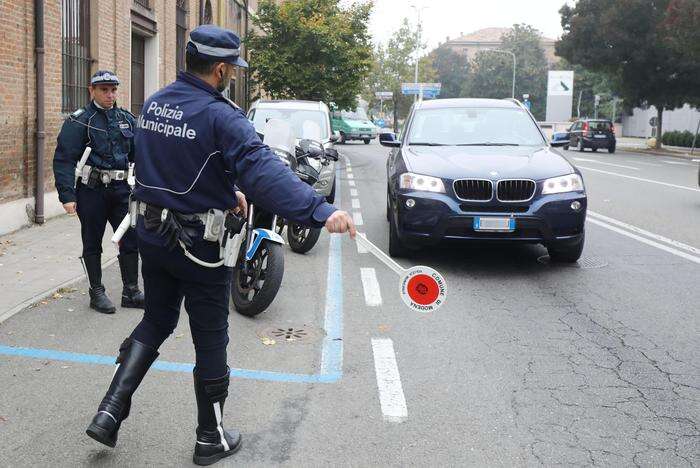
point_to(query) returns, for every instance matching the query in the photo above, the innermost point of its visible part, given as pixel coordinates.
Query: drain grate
(585, 263)
(289, 334)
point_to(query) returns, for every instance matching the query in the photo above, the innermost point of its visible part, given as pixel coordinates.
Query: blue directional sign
(429, 90)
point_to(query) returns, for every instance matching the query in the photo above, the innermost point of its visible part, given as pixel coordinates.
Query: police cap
(104, 77)
(216, 44)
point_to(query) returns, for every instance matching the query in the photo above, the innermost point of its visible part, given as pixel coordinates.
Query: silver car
(298, 112)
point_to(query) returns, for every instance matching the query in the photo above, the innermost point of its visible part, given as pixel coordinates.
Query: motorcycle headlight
(411, 181)
(562, 184)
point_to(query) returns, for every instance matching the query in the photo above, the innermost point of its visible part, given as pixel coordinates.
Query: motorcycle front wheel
(301, 238)
(253, 290)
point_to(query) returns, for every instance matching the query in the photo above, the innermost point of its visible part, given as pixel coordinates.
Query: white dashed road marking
(370, 285)
(677, 163)
(351, 183)
(606, 164)
(356, 203)
(357, 218)
(353, 192)
(350, 175)
(391, 396)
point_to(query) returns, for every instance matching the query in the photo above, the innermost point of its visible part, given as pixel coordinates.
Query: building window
(144, 3)
(206, 13)
(138, 72)
(75, 38)
(180, 34)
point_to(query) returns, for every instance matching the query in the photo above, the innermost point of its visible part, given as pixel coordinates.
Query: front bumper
(360, 135)
(436, 217)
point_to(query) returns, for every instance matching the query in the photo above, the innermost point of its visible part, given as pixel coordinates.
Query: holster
(171, 225)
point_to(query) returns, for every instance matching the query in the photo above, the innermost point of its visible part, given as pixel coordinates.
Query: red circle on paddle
(423, 289)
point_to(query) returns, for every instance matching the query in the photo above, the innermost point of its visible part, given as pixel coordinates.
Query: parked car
(560, 137)
(481, 170)
(298, 112)
(592, 133)
(353, 125)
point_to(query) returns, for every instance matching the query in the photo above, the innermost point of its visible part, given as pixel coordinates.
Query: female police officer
(102, 193)
(192, 144)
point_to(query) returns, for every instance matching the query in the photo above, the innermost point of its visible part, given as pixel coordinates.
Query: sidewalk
(640, 145)
(36, 261)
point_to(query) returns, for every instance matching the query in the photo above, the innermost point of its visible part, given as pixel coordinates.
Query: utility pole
(419, 29)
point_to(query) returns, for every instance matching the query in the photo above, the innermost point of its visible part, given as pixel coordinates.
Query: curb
(670, 154)
(42, 295)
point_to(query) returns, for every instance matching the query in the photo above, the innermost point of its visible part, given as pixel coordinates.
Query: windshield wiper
(487, 143)
(425, 143)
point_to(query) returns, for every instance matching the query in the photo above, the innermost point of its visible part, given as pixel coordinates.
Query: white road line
(360, 246)
(644, 240)
(357, 218)
(678, 163)
(391, 396)
(606, 164)
(353, 192)
(638, 230)
(351, 183)
(349, 170)
(696, 160)
(692, 189)
(356, 203)
(642, 163)
(350, 175)
(373, 295)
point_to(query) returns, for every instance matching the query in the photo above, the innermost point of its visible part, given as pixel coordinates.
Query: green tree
(680, 27)
(492, 72)
(627, 41)
(311, 49)
(449, 68)
(394, 64)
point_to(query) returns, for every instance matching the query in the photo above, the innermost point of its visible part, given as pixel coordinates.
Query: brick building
(142, 41)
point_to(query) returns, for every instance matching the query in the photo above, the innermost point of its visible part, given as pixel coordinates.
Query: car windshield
(305, 123)
(473, 127)
(358, 114)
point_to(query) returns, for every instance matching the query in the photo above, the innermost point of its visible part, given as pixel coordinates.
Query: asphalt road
(527, 363)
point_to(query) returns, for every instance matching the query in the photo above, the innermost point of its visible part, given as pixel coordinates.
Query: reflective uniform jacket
(192, 145)
(110, 134)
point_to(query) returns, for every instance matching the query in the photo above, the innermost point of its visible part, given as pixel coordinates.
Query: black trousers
(170, 277)
(96, 206)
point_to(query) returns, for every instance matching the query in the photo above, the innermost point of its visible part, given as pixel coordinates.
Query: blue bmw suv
(481, 170)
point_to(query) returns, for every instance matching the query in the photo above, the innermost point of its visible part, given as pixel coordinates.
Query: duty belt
(143, 206)
(103, 175)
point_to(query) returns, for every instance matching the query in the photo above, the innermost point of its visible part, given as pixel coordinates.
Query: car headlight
(411, 181)
(562, 184)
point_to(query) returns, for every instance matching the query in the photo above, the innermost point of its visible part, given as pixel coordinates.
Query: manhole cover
(288, 334)
(586, 263)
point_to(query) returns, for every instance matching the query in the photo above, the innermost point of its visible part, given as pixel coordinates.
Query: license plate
(600, 136)
(494, 224)
(364, 136)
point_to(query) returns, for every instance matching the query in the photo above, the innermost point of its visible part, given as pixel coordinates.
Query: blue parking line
(331, 355)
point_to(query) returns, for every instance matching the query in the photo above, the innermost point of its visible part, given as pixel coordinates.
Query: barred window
(144, 3)
(75, 38)
(180, 33)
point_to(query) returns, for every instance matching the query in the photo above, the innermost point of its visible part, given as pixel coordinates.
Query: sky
(442, 18)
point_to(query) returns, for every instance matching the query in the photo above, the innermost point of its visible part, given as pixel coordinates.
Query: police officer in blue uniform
(192, 145)
(101, 194)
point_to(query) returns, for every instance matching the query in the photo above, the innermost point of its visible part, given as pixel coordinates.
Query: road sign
(384, 94)
(654, 121)
(430, 90)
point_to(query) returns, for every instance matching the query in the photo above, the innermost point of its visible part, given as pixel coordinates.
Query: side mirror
(332, 153)
(389, 139)
(335, 136)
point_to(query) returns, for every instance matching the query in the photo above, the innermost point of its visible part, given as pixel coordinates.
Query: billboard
(560, 95)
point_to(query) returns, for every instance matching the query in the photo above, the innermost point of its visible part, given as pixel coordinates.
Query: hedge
(675, 138)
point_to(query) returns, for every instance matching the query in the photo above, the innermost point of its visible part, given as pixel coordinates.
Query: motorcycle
(260, 267)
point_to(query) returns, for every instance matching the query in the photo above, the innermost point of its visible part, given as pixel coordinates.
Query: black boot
(131, 296)
(132, 364)
(98, 297)
(213, 442)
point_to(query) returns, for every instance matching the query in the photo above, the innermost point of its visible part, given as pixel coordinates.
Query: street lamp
(419, 25)
(514, 61)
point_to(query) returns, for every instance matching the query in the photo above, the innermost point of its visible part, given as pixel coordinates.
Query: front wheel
(341, 140)
(566, 253)
(566, 147)
(579, 146)
(611, 149)
(366, 140)
(301, 238)
(396, 247)
(253, 290)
